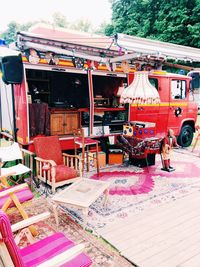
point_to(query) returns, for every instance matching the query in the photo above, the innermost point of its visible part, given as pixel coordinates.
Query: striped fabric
(40, 251)
(50, 247)
(8, 239)
(23, 196)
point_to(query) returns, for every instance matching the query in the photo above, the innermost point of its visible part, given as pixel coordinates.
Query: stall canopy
(120, 49)
(137, 47)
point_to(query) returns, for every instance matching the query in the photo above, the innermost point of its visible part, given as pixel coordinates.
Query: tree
(81, 25)
(10, 34)
(174, 21)
(13, 27)
(60, 20)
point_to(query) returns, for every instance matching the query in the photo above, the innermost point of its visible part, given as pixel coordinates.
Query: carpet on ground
(100, 252)
(133, 190)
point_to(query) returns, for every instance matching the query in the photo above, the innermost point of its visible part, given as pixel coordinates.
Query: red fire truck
(177, 110)
(68, 84)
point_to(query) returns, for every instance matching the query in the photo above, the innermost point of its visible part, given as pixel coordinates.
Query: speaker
(12, 69)
(149, 161)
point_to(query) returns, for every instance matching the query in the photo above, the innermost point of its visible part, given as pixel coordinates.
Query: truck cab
(175, 110)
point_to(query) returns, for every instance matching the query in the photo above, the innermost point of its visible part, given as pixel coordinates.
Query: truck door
(178, 104)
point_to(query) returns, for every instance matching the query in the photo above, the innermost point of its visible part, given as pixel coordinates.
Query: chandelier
(140, 91)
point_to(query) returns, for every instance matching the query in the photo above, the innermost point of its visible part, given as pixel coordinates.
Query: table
(81, 194)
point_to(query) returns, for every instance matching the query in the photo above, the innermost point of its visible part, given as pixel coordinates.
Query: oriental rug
(133, 190)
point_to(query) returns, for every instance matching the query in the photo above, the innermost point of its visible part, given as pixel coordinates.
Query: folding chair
(54, 250)
(197, 138)
(15, 196)
(10, 151)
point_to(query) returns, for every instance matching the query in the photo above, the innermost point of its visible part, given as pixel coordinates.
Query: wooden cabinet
(64, 122)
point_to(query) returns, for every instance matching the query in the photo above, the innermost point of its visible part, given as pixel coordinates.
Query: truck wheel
(185, 137)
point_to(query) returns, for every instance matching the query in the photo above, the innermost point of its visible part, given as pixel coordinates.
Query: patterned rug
(133, 189)
(101, 253)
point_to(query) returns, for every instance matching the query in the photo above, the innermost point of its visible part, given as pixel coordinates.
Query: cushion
(48, 147)
(49, 247)
(64, 173)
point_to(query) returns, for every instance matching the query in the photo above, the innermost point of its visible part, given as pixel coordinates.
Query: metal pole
(14, 114)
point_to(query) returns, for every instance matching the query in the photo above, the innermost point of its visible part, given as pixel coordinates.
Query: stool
(80, 141)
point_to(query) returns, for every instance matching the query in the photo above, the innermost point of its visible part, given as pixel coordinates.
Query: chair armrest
(72, 161)
(31, 220)
(14, 189)
(51, 162)
(63, 257)
(25, 151)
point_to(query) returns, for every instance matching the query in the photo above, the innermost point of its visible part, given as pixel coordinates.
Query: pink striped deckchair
(55, 250)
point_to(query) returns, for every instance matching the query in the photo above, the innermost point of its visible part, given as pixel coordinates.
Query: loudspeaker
(12, 69)
(149, 161)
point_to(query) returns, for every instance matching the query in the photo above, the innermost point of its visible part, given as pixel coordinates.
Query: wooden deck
(165, 236)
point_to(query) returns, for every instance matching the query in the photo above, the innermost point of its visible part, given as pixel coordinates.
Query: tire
(186, 135)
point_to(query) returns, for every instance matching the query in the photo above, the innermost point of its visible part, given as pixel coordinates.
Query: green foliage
(58, 20)
(13, 27)
(174, 21)
(10, 33)
(81, 25)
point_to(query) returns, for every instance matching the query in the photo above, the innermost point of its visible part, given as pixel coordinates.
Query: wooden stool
(80, 141)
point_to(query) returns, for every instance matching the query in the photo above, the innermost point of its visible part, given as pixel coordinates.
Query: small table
(81, 194)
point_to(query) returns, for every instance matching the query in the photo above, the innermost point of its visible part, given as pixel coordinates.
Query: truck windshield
(178, 89)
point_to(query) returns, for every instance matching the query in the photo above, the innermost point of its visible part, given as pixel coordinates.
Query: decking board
(165, 236)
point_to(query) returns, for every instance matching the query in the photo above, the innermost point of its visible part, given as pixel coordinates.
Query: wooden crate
(115, 158)
(102, 159)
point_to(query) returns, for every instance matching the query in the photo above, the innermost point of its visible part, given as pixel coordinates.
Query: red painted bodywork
(163, 114)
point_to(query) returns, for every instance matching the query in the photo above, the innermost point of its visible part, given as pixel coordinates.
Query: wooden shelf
(101, 109)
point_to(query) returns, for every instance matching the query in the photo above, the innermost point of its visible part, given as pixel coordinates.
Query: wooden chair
(15, 197)
(85, 143)
(54, 167)
(54, 250)
(197, 137)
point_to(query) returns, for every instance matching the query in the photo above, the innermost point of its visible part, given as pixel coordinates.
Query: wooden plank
(194, 261)
(168, 235)
(130, 227)
(161, 259)
(154, 216)
(156, 231)
(165, 239)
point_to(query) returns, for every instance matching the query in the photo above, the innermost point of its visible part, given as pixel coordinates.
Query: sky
(22, 11)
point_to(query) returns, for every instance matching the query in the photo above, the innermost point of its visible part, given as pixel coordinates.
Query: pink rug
(126, 182)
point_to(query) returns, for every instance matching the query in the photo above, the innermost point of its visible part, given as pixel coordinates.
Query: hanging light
(140, 91)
